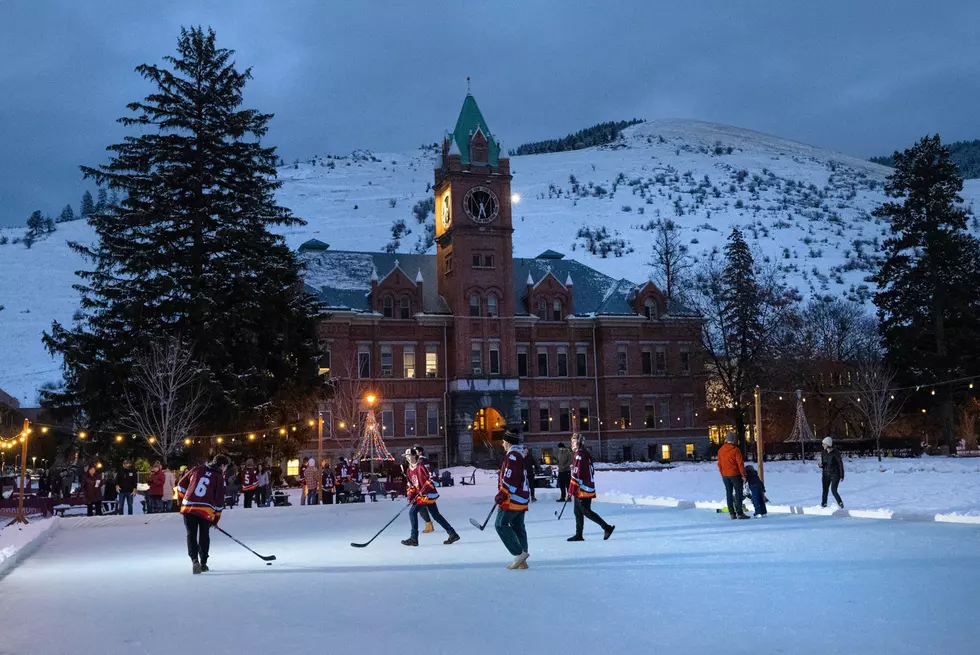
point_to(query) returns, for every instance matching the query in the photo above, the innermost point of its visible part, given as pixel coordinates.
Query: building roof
(314, 244)
(342, 280)
(470, 120)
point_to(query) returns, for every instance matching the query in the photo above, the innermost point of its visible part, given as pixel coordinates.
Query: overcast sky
(859, 77)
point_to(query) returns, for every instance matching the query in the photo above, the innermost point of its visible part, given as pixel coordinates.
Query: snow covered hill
(805, 209)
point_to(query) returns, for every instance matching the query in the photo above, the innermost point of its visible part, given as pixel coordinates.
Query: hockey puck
(268, 563)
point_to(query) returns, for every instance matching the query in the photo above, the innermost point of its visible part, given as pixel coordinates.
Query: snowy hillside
(806, 209)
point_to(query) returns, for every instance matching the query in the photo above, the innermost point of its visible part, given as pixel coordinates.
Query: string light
(251, 437)
(187, 442)
(282, 431)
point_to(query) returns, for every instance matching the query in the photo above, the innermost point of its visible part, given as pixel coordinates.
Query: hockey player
(423, 511)
(582, 490)
(250, 481)
(512, 499)
(201, 494)
(422, 493)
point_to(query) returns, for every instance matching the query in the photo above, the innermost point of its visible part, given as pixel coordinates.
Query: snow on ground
(674, 580)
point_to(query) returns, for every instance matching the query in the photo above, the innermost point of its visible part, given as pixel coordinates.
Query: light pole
(370, 401)
(319, 456)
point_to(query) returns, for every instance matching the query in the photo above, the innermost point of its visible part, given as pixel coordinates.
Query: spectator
(564, 469)
(92, 488)
(67, 478)
(328, 484)
(154, 495)
(109, 492)
(732, 469)
(262, 491)
(250, 481)
(43, 484)
(757, 489)
(832, 466)
(169, 488)
(126, 480)
(311, 478)
(532, 469)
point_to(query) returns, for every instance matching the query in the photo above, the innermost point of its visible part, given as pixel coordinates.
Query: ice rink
(677, 581)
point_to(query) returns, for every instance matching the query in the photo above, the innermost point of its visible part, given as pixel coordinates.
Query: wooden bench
(468, 481)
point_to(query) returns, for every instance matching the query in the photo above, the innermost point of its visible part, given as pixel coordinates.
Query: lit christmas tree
(801, 433)
(372, 446)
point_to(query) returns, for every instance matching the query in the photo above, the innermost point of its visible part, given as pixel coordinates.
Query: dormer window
(556, 310)
(388, 307)
(650, 309)
(543, 310)
(479, 147)
(406, 307)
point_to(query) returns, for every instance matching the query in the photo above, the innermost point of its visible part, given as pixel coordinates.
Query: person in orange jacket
(732, 469)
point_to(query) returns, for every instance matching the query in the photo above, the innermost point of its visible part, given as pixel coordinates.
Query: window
(388, 307)
(477, 260)
(583, 415)
(476, 358)
(685, 360)
(621, 361)
(542, 364)
(649, 416)
(406, 308)
(494, 359)
(665, 452)
(556, 310)
(449, 263)
(650, 309)
(548, 456)
(688, 412)
(544, 421)
(409, 422)
(492, 305)
(564, 420)
(408, 362)
(543, 309)
(387, 422)
(662, 413)
(474, 305)
(522, 364)
(363, 364)
(386, 361)
(653, 452)
(624, 415)
(581, 364)
(525, 417)
(562, 363)
(488, 261)
(324, 360)
(431, 362)
(432, 421)
(661, 360)
(627, 453)
(689, 450)
(647, 363)
(292, 467)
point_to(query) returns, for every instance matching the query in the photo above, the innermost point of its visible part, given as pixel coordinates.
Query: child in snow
(757, 489)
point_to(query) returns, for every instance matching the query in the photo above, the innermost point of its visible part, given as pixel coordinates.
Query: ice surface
(668, 581)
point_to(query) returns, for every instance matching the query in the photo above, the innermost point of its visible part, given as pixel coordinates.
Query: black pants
(260, 495)
(424, 512)
(733, 487)
(583, 510)
(564, 479)
(95, 509)
(419, 509)
(249, 495)
(198, 537)
(830, 484)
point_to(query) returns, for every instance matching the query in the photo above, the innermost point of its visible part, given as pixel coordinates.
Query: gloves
(501, 497)
(412, 495)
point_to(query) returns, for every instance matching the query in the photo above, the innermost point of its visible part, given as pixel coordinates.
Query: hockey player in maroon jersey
(250, 481)
(582, 490)
(422, 493)
(201, 494)
(512, 497)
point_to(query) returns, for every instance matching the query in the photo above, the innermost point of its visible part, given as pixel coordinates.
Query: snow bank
(19, 541)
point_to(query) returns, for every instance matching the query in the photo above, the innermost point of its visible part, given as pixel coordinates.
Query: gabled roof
(550, 254)
(314, 244)
(469, 121)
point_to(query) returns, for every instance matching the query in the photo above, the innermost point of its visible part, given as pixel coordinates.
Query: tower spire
(468, 85)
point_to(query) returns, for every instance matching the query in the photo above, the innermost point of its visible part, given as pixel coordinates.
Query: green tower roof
(470, 119)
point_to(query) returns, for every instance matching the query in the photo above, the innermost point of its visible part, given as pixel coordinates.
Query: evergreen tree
(35, 225)
(88, 206)
(67, 214)
(928, 296)
(189, 253)
(103, 200)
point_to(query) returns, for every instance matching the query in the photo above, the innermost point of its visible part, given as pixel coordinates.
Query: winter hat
(730, 437)
(561, 444)
(511, 436)
(827, 441)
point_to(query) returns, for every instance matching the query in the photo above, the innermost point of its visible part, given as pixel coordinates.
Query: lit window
(624, 415)
(431, 362)
(325, 360)
(689, 450)
(665, 452)
(408, 362)
(292, 467)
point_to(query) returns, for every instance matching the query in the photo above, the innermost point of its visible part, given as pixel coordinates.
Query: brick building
(459, 343)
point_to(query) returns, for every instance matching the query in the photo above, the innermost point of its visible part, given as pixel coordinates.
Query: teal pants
(510, 528)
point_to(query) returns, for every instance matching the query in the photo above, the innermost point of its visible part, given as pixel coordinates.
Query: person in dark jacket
(564, 470)
(832, 465)
(582, 490)
(201, 493)
(43, 484)
(126, 481)
(732, 469)
(532, 469)
(92, 488)
(757, 489)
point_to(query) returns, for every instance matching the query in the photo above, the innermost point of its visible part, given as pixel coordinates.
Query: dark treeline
(597, 135)
(965, 154)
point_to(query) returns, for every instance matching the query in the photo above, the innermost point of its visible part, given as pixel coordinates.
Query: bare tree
(166, 398)
(876, 397)
(349, 405)
(670, 259)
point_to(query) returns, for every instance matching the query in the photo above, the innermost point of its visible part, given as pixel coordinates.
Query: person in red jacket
(154, 495)
(732, 469)
(582, 490)
(201, 493)
(250, 481)
(513, 495)
(422, 493)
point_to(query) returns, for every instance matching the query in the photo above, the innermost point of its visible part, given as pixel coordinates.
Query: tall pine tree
(67, 215)
(928, 294)
(87, 207)
(188, 252)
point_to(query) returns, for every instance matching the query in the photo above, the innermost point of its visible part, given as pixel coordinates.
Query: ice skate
(607, 532)
(576, 537)
(411, 541)
(195, 567)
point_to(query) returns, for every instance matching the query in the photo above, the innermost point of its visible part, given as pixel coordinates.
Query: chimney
(374, 290)
(528, 288)
(419, 291)
(571, 293)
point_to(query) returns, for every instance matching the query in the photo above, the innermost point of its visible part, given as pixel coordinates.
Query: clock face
(447, 215)
(481, 204)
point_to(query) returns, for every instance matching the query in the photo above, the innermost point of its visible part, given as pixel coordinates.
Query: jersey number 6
(202, 487)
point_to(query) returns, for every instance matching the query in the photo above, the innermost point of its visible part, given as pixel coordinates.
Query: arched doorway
(488, 432)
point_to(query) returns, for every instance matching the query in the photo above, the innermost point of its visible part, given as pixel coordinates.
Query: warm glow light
(44, 430)
(251, 437)
(342, 425)
(187, 442)
(515, 198)
(82, 435)
(294, 428)
(119, 438)
(371, 399)
(152, 439)
(221, 439)
(282, 430)
(312, 423)
(933, 392)
(21, 440)
(923, 411)
(98, 465)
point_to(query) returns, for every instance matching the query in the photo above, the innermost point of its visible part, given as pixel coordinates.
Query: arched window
(650, 309)
(556, 310)
(389, 307)
(543, 309)
(492, 305)
(406, 308)
(474, 305)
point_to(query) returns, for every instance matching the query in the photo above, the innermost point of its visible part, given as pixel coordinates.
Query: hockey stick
(368, 542)
(264, 558)
(481, 527)
(557, 513)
